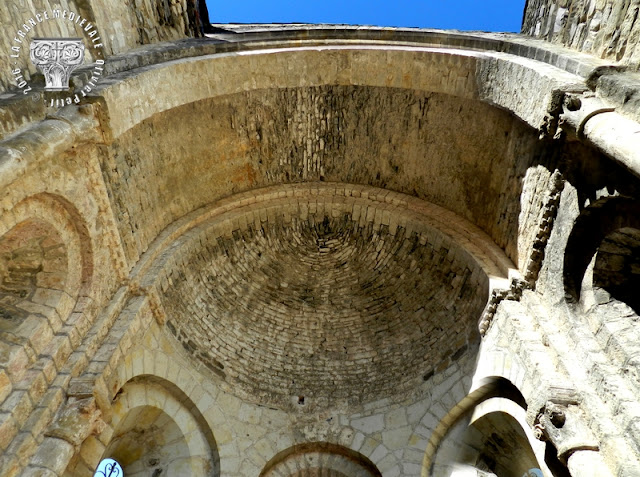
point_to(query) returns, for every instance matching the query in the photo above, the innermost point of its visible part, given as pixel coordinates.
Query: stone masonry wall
(606, 28)
(257, 312)
(392, 434)
(230, 144)
(114, 202)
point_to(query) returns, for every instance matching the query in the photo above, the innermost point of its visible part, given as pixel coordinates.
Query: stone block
(53, 454)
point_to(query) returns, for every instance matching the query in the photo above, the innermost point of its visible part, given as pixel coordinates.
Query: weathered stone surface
(329, 133)
(322, 306)
(284, 236)
(76, 421)
(606, 28)
(53, 454)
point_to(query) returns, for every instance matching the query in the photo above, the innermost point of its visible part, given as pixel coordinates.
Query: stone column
(585, 463)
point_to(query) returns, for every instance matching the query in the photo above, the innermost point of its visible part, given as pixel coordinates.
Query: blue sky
(485, 15)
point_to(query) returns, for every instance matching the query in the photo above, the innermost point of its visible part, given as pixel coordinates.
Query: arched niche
(616, 269)
(494, 439)
(148, 440)
(394, 270)
(33, 262)
(319, 459)
(602, 277)
(45, 265)
(602, 250)
(159, 431)
(503, 445)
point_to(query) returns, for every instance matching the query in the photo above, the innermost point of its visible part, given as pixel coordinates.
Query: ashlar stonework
(319, 250)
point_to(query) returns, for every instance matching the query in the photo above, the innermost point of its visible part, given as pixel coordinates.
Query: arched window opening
(317, 459)
(606, 236)
(33, 267)
(504, 447)
(617, 266)
(148, 441)
(493, 440)
(108, 468)
(533, 473)
(158, 432)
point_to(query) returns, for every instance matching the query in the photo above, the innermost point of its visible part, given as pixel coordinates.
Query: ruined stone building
(318, 250)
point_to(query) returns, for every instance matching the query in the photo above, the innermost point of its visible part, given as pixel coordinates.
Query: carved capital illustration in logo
(57, 58)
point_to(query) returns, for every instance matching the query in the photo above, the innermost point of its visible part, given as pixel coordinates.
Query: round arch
(158, 429)
(319, 458)
(326, 219)
(282, 124)
(495, 439)
(506, 419)
(450, 63)
(46, 263)
(611, 223)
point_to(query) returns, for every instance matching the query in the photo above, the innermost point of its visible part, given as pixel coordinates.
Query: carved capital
(562, 425)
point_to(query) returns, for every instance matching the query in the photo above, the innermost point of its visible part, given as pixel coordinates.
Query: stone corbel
(574, 117)
(588, 118)
(559, 422)
(76, 421)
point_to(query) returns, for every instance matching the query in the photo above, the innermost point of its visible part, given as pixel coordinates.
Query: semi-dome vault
(323, 304)
(316, 250)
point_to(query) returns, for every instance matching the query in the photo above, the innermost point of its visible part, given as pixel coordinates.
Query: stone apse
(319, 250)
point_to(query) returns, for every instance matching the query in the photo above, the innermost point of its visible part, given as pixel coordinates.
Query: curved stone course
(336, 299)
(324, 310)
(297, 228)
(319, 460)
(434, 149)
